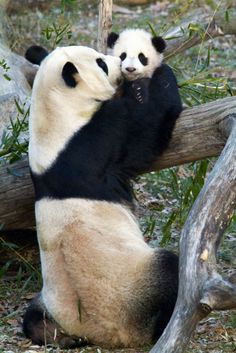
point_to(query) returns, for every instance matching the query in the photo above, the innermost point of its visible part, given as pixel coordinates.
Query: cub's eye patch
(123, 56)
(143, 59)
(102, 65)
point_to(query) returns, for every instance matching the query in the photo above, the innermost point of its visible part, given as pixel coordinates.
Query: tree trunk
(201, 288)
(104, 25)
(196, 136)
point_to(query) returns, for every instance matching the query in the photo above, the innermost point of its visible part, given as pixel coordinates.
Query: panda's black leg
(44, 331)
(164, 271)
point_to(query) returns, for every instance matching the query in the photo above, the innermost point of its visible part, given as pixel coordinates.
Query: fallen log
(196, 136)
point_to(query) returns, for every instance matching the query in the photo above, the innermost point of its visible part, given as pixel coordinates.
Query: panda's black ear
(111, 39)
(159, 44)
(68, 74)
(35, 54)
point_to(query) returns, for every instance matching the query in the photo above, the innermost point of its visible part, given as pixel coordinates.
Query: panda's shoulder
(163, 73)
(164, 69)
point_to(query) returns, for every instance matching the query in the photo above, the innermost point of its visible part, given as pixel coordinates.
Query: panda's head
(69, 87)
(139, 52)
(79, 70)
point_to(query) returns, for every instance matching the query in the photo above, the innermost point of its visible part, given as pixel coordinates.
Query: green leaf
(7, 77)
(227, 16)
(4, 268)
(154, 34)
(166, 229)
(208, 57)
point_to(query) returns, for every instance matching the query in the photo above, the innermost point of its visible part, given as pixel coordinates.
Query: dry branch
(201, 288)
(212, 26)
(197, 135)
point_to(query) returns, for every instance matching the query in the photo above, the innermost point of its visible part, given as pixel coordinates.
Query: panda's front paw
(139, 89)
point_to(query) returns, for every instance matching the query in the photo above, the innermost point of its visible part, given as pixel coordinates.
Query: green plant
(6, 68)
(232, 321)
(150, 224)
(12, 147)
(56, 33)
(66, 2)
(25, 268)
(185, 191)
(179, 188)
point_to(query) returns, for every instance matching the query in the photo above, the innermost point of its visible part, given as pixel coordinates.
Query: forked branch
(201, 288)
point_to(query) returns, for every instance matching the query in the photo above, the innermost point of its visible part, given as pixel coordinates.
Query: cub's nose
(130, 69)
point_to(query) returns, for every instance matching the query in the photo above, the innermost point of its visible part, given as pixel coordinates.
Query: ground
(163, 199)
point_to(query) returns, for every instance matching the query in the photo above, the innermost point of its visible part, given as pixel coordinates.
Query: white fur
(94, 259)
(58, 111)
(133, 42)
(78, 239)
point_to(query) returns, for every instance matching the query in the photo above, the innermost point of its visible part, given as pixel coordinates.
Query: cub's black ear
(35, 54)
(68, 74)
(159, 44)
(111, 39)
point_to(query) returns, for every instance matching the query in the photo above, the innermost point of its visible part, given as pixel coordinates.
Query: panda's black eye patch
(143, 59)
(102, 65)
(123, 56)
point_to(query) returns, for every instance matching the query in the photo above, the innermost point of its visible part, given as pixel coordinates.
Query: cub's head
(139, 52)
(69, 87)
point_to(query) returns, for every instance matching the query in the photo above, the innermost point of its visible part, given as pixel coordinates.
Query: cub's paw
(139, 89)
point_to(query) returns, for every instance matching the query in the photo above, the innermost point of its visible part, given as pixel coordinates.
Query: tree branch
(212, 26)
(201, 289)
(219, 294)
(16, 196)
(197, 135)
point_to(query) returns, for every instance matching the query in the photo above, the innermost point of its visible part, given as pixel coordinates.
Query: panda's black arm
(150, 125)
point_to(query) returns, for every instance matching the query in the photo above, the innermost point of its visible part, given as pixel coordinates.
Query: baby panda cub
(142, 59)
(101, 281)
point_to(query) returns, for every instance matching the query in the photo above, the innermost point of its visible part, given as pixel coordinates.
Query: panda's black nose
(130, 69)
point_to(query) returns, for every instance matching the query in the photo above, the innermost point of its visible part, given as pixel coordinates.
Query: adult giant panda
(101, 281)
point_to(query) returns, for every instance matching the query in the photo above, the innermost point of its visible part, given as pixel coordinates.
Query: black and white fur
(101, 281)
(140, 54)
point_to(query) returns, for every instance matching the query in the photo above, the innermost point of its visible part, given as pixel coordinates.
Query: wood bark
(104, 25)
(197, 135)
(201, 288)
(16, 196)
